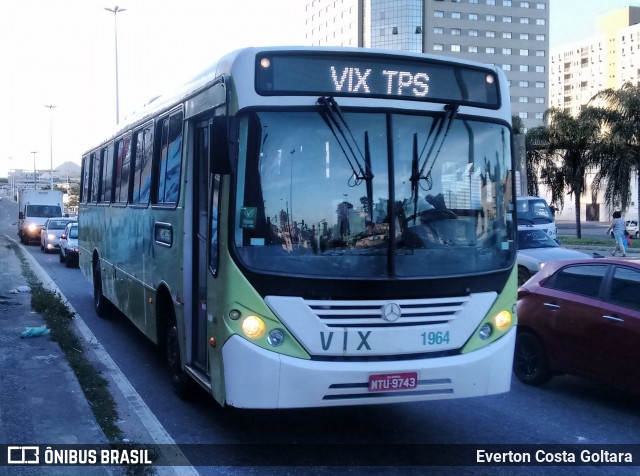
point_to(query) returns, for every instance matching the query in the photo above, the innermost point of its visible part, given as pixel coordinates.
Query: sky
(61, 53)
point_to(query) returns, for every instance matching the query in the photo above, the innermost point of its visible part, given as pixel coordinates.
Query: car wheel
(523, 275)
(530, 361)
(637, 234)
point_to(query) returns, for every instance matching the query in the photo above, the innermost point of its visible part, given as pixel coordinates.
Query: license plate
(391, 382)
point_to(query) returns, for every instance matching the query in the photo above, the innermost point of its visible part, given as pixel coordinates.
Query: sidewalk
(41, 401)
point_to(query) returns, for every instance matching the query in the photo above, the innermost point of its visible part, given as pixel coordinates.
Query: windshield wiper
(337, 124)
(439, 131)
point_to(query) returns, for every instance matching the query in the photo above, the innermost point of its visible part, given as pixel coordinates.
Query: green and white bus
(309, 227)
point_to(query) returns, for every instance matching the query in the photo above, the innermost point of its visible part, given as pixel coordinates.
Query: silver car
(535, 248)
(69, 254)
(50, 234)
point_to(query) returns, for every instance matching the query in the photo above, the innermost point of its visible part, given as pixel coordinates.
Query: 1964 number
(435, 338)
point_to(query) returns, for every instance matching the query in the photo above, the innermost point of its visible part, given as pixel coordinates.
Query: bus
(312, 227)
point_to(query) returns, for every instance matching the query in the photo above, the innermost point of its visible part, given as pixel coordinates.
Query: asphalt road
(565, 411)
(588, 229)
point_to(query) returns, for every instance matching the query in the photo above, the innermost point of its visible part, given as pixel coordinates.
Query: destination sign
(304, 73)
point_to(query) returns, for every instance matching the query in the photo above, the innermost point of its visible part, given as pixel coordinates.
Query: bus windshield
(373, 195)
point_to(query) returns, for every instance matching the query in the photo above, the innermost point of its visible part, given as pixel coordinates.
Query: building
(606, 60)
(512, 34)
(577, 72)
(63, 175)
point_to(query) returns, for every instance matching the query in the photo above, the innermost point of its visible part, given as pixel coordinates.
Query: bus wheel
(99, 301)
(180, 380)
(529, 361)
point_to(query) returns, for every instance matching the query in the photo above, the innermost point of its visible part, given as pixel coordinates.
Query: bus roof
(246, 56)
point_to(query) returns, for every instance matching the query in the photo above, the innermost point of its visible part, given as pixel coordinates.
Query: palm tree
(536, 142)
(569, 154)
(621, 118)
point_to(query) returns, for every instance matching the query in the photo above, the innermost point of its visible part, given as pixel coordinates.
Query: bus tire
(530, 362)
(182, 384)
(99, 301)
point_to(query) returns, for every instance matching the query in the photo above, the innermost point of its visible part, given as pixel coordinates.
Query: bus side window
(107, 174)
(142, 164)
(84, 191)
(170, 159)
(123, 156)
(95, 177)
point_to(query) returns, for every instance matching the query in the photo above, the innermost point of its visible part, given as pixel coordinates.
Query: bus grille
(415, 312)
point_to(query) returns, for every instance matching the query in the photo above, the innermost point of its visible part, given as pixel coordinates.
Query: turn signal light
(253, 327)
(502, 320)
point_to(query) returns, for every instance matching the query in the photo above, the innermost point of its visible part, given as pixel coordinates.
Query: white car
(632, 228)
(535, 249)
(50, 233)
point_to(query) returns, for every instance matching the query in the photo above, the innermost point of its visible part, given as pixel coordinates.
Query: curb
(127, 395)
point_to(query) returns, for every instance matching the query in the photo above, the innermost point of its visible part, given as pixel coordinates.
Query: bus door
(200, 238)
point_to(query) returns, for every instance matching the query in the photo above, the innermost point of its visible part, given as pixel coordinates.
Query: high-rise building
(580, 70)
(606, 60)
(512, 34)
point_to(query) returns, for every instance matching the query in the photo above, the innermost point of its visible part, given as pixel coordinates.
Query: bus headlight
(485, 331)
(275, 337)
(253, 327)
(32, 227)
(502, 320)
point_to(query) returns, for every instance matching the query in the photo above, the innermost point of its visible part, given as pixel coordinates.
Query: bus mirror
(219, 162)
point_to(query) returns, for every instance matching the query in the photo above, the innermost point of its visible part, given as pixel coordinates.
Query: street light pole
(34, 169)
(115, 12)
(51, 106)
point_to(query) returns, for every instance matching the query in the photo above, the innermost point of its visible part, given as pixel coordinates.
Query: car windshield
(533, 212)
(530, 239)
(314, 195)
(57, 224)
(43, 211)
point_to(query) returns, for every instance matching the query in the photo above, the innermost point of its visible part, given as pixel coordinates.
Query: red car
(581, 317)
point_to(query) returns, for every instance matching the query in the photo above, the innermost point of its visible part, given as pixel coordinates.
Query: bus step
(199, 376)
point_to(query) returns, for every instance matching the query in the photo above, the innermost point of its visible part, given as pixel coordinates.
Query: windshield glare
(529, 239)
(314, 196)
(533, 212)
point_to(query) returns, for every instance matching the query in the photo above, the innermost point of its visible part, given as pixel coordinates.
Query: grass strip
(59, 320)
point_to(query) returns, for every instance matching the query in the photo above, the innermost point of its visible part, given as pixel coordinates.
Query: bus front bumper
(258, 378)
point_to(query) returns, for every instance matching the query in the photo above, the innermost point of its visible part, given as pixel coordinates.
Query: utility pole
(115, 10)
(51, 106)
(34, 169)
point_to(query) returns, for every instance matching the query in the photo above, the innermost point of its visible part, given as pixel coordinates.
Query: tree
(570, 152)
(538, 165)
(621, 120)
(517, 124)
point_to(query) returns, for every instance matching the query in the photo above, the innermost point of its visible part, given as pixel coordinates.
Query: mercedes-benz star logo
(391, 312)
